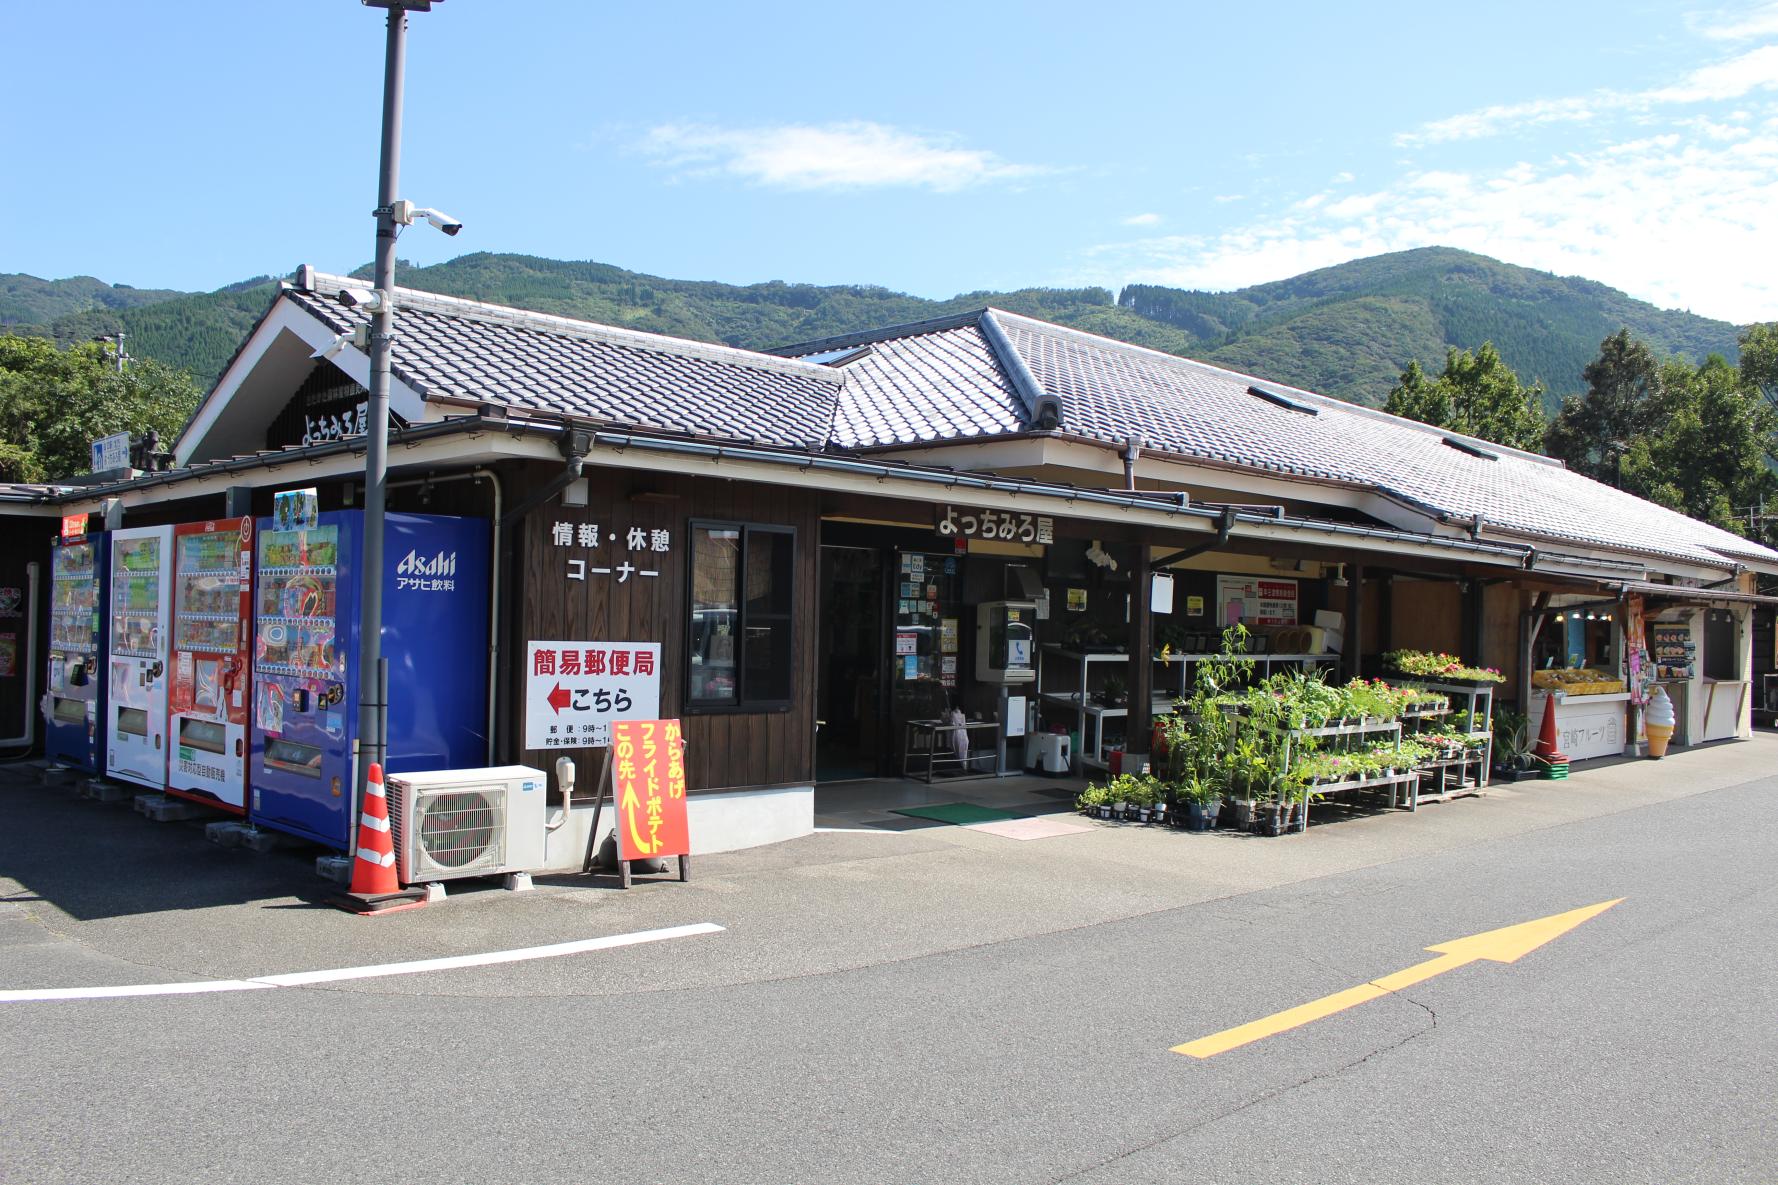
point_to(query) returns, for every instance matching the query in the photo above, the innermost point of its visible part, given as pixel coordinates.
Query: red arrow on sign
(559, 699)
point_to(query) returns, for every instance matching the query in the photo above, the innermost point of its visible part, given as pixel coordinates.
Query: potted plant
(1512, 745)
(1114, 692)
(1095, 801)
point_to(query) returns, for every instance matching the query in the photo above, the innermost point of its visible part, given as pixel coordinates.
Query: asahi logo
(430, 573)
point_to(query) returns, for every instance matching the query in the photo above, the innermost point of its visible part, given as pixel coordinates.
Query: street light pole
(372, 686)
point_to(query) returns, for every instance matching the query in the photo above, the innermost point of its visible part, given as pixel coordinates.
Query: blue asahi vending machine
(306, 681)
(79, 643)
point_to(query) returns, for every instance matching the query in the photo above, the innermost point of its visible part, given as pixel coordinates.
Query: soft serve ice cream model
(1658, 722)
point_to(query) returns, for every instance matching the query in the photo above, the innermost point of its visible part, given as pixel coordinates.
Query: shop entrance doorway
(850, 693)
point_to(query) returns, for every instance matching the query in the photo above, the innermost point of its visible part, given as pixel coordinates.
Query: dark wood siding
(723, 750)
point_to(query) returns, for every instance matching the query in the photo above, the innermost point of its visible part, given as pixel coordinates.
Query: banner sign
(73, 527)
(1255, 600)
(575, 691)
(648, 785)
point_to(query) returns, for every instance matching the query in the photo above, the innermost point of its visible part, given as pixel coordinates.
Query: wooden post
(1354, 620)
(1140, 720)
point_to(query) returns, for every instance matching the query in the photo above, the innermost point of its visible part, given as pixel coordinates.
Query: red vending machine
(211, 690)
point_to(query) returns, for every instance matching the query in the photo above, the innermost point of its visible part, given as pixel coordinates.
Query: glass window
(741, 639)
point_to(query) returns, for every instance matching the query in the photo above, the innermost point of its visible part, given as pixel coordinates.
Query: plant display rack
(1090, 752)
(1468, 774)
(1403, 787)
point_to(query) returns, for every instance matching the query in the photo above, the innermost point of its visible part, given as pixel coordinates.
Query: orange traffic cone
(1545, 749)
(375, 887)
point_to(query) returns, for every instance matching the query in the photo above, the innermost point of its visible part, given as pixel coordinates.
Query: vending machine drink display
(306, 682)
(136, 691)
(79, 634)
(210, 695)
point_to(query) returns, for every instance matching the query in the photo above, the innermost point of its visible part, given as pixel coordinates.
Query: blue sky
(931, 148)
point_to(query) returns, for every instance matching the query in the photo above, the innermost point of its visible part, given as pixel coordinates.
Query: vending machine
(304, 739)
(136, 692)
(79, 640)
(211, 687)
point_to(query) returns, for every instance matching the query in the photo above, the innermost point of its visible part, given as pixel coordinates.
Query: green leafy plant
(1424, 665)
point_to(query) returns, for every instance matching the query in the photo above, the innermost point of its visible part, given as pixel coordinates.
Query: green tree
(54, 403)
(1593, 431)
(1706, 447)
(1477, 395)
(1759, 360)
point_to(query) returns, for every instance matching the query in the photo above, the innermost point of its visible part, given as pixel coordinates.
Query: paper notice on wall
(1256, 600)
(1160, 593)
(1015, 715)
(907, 644)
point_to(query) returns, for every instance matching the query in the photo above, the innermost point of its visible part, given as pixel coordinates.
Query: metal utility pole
(373, 708)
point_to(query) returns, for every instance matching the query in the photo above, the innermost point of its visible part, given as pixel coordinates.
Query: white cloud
(1760, 21)
(851, 155)
(1143, 220)
(1734, 78)
(1679, 221)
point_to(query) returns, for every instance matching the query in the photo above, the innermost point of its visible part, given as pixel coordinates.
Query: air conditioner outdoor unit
(453, 823)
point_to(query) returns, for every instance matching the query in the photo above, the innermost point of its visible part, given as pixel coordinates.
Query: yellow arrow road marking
(1508, 944)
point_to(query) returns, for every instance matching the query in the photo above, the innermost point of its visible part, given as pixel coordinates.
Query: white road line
(413, 967)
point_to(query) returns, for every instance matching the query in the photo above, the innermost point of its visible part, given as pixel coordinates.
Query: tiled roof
(938, 380)
(474, 353)
(1111, 391)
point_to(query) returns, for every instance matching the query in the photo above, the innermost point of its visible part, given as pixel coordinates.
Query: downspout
(28, 738)
(1132, 453)
(1224, 528)
(576, 443)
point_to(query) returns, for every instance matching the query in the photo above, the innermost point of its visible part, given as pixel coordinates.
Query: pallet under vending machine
(136, 691)
(211, 687)
(79, 636)
(306, 682)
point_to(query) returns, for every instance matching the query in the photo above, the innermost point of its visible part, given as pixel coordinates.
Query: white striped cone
(373, 872)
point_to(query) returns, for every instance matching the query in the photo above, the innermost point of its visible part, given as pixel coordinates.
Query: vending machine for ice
(212, 662)
(306, 682)
(79, 635)
(136, 690)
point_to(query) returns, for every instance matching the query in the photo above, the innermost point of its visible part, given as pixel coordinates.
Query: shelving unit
(1078, 698)
(1455, 776)
(1404, 788)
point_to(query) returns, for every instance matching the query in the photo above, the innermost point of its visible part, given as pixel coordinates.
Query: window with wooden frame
(740, 642)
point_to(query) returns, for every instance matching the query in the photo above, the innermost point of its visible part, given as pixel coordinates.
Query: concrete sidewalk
(94, 894)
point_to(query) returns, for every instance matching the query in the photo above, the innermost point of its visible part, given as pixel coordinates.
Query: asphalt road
(932, 1007)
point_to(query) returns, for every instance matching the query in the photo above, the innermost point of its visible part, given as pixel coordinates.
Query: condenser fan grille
(462, 828)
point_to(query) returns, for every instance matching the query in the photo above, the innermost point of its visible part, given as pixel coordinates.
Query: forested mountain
(1347, 331)
(28, 301)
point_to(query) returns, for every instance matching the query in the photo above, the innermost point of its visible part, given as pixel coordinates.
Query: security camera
(361, 298)
(442, 221)
(333, 348)
(358, 336)
(406, 213)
